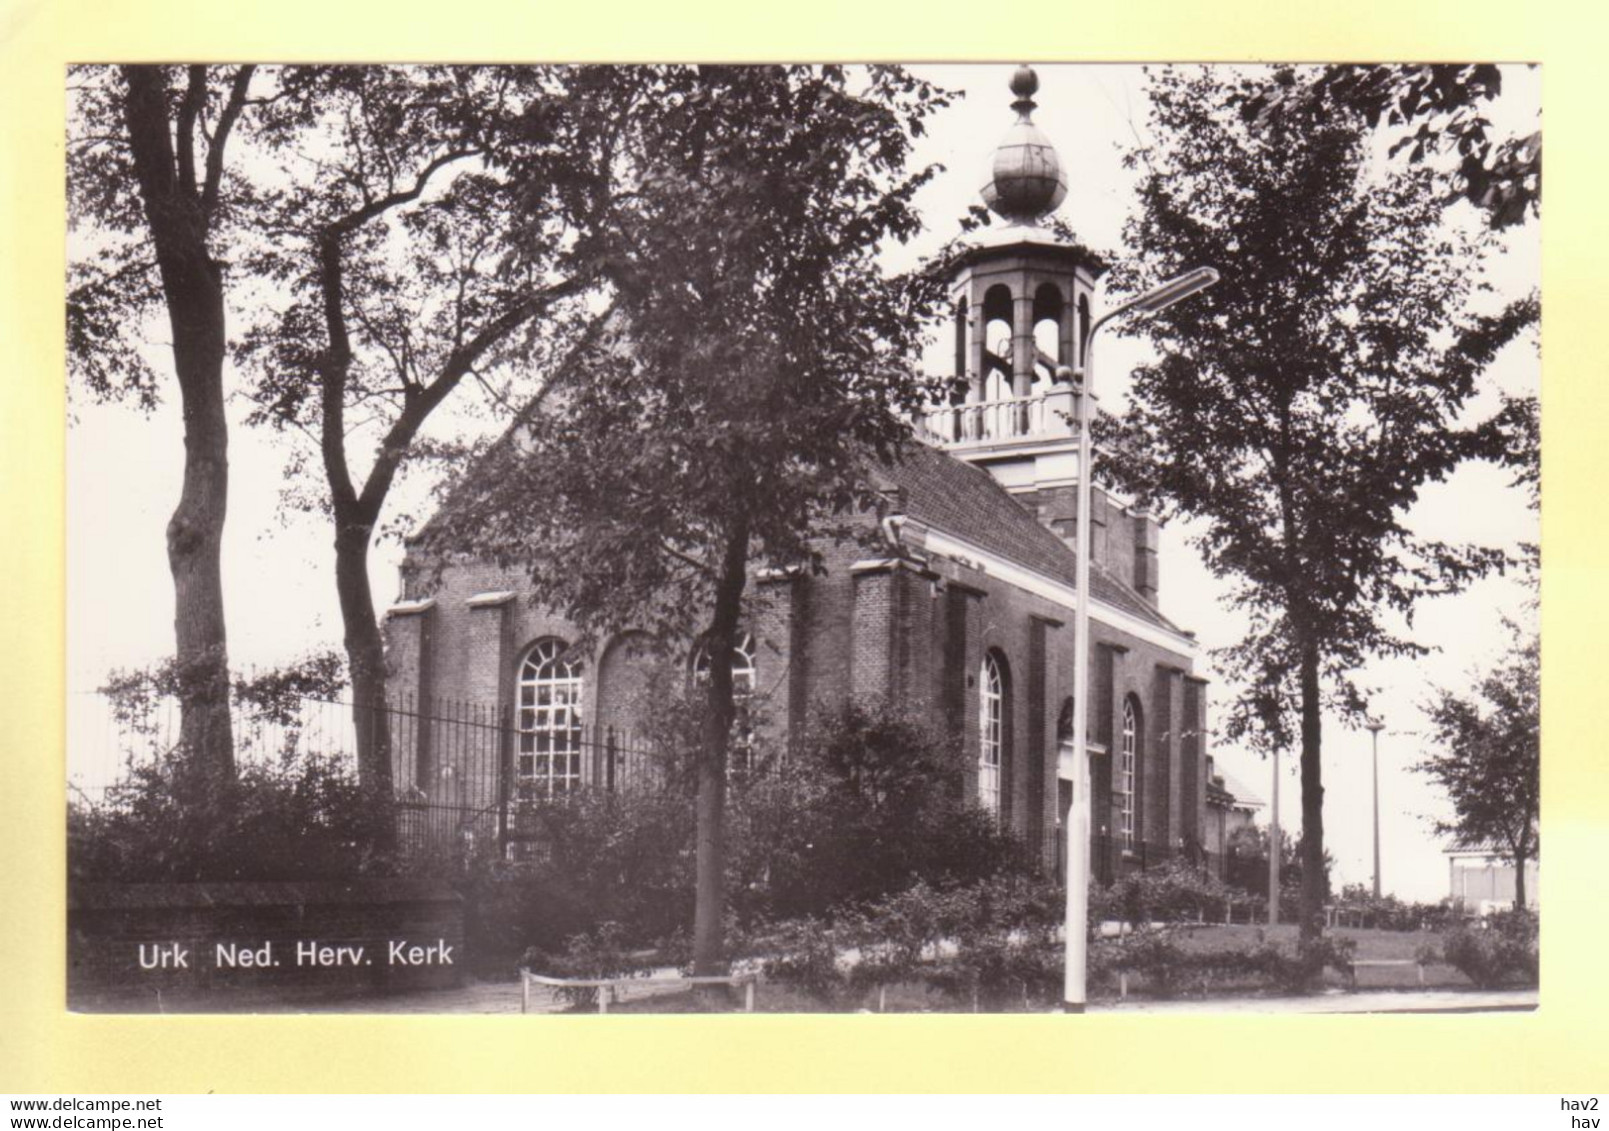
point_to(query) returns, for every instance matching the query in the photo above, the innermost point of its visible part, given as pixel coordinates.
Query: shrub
(992, 944)
(1389, 913)
(1150, 953)
(862, 808)
(617, 859)
(592, 956)
(1173, 892)
(1500, 952)
(866, 803)
(302, 816)
(1169, 969)
(805, 955)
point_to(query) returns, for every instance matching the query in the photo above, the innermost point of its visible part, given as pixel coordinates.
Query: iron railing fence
(460, 770)
(463, 771)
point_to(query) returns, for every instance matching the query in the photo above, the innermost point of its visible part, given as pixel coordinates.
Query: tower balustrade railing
(991, 422)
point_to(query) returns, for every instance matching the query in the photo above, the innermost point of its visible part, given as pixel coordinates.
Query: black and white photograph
(806, 539)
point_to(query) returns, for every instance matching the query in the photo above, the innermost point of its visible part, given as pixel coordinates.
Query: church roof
(1243, 796)
(967, 502)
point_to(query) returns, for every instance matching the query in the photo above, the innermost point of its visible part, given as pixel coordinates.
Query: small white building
(1481, 879)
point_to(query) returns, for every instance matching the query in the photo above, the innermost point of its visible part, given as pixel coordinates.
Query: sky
(123, 479)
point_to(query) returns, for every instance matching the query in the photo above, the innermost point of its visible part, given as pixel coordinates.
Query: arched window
(745, 679)
(1049, 311)
(961, 316)
(548, 756)
(743, 669)
(1083, 329)
(991, 731)
(1124, 785)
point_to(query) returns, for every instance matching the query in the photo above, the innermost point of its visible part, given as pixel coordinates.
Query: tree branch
(220, 137)
(195, 95)
(352, 221)
(417, 409)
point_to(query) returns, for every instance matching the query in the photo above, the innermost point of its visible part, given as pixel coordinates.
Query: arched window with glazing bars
(991, 731)
(1123, 783)
(550, 692)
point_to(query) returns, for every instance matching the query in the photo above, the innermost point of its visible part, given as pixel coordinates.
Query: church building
(963, 609)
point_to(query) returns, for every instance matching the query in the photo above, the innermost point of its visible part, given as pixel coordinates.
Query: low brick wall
(223, 940)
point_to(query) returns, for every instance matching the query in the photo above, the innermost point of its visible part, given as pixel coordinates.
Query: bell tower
(1021, 308)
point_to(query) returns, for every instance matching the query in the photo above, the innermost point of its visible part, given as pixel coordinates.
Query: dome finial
(1024, 84)
(1026, 182)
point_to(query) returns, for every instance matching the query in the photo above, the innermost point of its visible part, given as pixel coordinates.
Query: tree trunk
(1313, 878)
(709, 903)
(192, 285)
(1519, 879)
(365, 655)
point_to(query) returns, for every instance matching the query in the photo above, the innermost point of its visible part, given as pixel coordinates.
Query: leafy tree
(1490, 762)
(149, 185)
(416, 224)
(756, 360)
(1301, 404)
(1503, 178)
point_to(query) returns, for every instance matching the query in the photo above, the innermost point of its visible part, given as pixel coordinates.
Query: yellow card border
(43, 1048)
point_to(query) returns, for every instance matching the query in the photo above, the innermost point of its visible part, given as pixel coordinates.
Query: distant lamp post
(1273, 848)
(1153, 300)
(1374, 727)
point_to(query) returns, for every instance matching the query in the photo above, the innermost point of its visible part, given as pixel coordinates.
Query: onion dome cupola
(1026, 181)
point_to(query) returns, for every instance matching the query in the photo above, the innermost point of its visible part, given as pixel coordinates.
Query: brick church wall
(914, 631)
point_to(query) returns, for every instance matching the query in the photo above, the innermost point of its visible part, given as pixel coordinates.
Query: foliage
(298, 817)
(755, 357)
(1490, 761)
(804, 953)
(595, 858)
(1500, 951)
(755, 352)
(1300, 405)
(268, 703)
(277, 694)
(1171, 893)
(1248, 847)
(992, 944)
(1392, 914)
(1008, 950)
(809, 837)
(422, 248)
(865, 804)
(1174, 892)
(592, 956)
(1503, 178)
(996, 944)
(1169, 969)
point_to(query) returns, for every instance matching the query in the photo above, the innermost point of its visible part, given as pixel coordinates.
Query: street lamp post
(1077, 927)
(1273, 849)
(1374, 727)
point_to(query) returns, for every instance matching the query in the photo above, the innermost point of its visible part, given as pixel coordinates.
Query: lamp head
(1175, 289)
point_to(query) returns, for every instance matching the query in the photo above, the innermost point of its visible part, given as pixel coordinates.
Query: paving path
(1381, 1001)
(504, 997)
